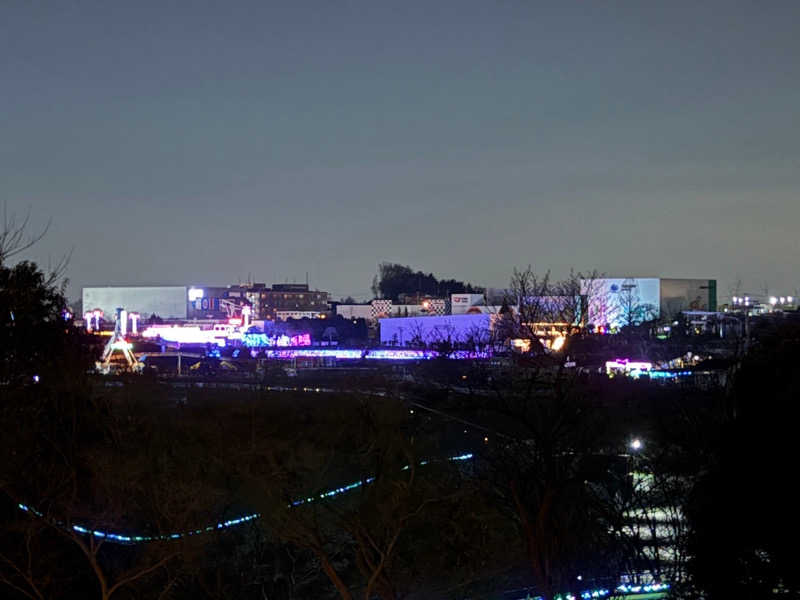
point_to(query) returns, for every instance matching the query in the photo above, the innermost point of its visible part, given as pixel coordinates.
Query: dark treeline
(552, 502)
(742, 508)
(394, 280)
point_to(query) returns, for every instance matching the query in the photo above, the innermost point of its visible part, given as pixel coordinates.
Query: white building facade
(167, 302)
(616, 302)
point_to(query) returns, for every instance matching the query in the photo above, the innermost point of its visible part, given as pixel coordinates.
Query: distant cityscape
(280, 302)
(308, 323)
(399, 301)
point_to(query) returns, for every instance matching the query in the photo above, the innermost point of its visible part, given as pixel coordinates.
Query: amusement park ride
(118, 345)
(118, 352)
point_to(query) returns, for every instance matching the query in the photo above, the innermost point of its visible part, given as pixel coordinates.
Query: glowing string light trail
(621, 590)
(139, 539)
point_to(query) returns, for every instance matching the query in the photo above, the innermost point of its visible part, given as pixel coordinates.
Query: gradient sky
(200, 142)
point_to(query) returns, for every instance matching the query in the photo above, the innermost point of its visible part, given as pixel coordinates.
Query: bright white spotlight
(636, 444)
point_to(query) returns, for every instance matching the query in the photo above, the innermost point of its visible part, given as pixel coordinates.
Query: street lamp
(636, 444)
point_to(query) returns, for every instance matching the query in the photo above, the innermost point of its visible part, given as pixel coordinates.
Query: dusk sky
(202, 143)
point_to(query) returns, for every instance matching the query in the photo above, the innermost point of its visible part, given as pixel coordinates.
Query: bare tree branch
(13, 237)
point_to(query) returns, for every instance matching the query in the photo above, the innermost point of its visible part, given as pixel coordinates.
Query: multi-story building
(288, 298)
(279, 302)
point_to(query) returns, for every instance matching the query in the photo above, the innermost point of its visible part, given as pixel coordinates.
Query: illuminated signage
(374, 354)
(185, 335)
(262, 340)
(628, 367)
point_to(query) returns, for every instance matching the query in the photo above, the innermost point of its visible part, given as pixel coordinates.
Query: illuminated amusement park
(235, 392)
(399, 301)
(237, 328)
(369, 415)
(386, 417)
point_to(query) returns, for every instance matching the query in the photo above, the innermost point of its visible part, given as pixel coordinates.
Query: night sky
(207, 143)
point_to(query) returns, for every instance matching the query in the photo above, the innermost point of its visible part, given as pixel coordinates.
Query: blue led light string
(138, 539)
(620, 590)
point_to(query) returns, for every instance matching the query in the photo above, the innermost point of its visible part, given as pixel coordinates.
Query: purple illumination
(288, 347)
(93, 315)
(377, 354)
(262, 340)
(222, 334)
(626, 364)
(186, 335)
(464, 329)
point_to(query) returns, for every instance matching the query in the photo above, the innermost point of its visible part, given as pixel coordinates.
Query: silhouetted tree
(743, 529)
(394, 280)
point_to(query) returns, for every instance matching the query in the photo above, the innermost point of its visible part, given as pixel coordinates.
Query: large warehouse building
(168, 302)
(415, 331)
(616, 302)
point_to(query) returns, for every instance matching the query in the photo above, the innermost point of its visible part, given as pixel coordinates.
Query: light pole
(134, 317)
(744, 303)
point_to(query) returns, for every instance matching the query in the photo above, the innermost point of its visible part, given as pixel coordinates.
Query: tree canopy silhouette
(395, 279)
